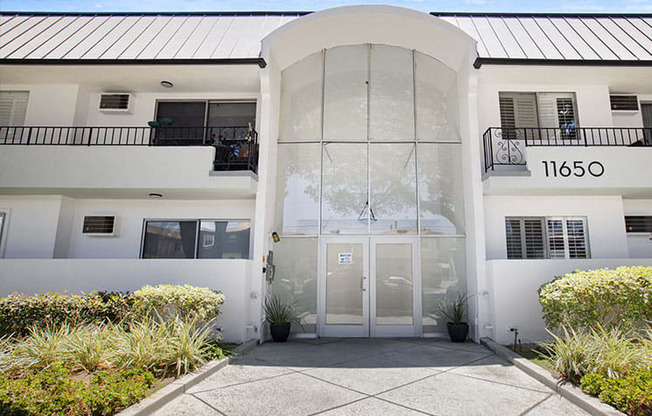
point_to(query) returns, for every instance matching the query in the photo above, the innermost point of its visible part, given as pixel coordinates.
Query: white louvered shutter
(518, 109)
(525, 238)
(13, 107)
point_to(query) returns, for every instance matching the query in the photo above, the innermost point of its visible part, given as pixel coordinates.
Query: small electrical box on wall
(269, 267)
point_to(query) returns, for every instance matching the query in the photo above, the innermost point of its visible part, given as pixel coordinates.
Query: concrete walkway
(370, 377)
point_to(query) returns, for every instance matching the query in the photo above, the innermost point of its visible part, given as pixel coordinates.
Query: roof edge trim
(73, 62)
(556, 14)
(558, 62)
(195, 13)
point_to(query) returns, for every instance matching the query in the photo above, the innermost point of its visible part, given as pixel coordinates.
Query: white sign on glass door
(345, 258)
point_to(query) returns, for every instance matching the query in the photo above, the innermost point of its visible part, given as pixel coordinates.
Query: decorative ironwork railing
(236, 147)
(506, 146)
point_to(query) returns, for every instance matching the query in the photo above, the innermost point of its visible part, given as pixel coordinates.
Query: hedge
(604, 297)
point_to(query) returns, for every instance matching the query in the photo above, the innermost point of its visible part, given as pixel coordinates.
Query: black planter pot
(280, 332)
(458, 332)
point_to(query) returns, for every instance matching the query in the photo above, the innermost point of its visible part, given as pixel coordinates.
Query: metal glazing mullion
(321, 142)
(368, 84)
(416, 138)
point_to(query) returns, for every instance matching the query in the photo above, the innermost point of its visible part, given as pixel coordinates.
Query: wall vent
(99, 225)
(115, 102)
(624, 102)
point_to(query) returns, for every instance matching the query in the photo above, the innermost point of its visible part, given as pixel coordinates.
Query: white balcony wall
(513, 286)
(604, 216)
(640, 244)
(130, 215)
(85, 275)
(118, 171)
(627, 172)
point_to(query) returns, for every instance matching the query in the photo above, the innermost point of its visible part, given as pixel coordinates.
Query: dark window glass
(232, 118)
(170, 239)
(182, 114)
(223, 239)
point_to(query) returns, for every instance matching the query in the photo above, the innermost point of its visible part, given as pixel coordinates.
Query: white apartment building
(400, 158)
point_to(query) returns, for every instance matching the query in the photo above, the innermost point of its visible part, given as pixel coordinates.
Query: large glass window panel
(393, 189)
(295, 278)
(170, 240)
(436, 99)
(443, 277)
(391, 105)
(394, 291)
(345, 93)
(233, 118)
(301, 100)
(344, 305)
(183, 113)
(223, 239)
(440, 189)
(297, 192)
(345, 208)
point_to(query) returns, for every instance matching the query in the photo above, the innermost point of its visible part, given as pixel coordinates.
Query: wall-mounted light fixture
(167, 84)
(275, 237)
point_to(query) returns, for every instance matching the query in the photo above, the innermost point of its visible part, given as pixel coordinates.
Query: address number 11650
(578, 168)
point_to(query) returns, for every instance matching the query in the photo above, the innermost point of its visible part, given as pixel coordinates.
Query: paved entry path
(378, 377)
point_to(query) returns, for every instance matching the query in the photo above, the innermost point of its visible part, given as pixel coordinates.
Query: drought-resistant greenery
(55, 391)
(97, 354)
(19, 312)
(185, 301)
(278, 311)
(455, 310)
(605, 297)
(610, 353)
(632, 393)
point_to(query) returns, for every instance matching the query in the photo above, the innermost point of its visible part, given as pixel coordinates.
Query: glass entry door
(369, 287)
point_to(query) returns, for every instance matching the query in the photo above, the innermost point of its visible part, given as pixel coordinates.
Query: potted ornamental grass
(280, 315)
(455, 311)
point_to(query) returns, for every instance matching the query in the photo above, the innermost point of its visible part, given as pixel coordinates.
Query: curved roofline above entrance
(351, 25)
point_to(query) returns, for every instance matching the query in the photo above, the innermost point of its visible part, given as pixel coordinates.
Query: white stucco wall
(514, 284)
(48, 104)
(604, 215)
(30, 228)
(84, 275)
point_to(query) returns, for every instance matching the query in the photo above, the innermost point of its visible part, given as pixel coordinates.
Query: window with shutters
(13, 107)
(543, 237)
(526, 112)
(638, 223)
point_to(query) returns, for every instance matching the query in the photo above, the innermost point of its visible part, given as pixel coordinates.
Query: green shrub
(53, 391)
(18, 312)
(186, 301)
(165, 347)
(604, 297)
(607, 352)
(632, 393)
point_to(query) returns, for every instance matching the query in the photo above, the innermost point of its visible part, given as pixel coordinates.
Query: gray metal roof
(559, 37)
(196, 36)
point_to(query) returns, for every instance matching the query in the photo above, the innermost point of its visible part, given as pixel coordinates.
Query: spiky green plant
(455, 310)
(89, 346)
(279, 312)
(42, 347)
(188, 346)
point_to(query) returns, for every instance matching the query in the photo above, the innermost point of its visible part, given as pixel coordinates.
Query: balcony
(236, 147)
(573, 160)
(129, 162)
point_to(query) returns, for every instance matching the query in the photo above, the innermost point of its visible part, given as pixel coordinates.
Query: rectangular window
(3, 216)
(194, 122)
(545, 115)
(189, 239)
(638, 223)
(13, 107)
(541, 237)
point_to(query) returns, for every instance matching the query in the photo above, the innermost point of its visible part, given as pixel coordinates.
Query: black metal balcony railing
(236, 147)
(506, 146)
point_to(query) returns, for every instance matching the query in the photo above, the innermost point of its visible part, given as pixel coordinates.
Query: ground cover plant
(600, 321)
(96, 363)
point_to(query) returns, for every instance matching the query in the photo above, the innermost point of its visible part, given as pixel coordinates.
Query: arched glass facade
(369, 145)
